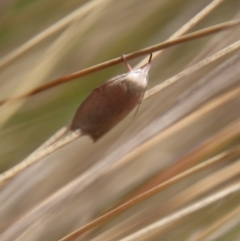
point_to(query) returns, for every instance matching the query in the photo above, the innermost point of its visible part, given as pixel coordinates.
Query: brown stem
(149, 50)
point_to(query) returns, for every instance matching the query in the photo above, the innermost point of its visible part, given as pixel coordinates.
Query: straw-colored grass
(169, 173)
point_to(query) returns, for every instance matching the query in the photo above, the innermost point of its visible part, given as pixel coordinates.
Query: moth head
(140, 76)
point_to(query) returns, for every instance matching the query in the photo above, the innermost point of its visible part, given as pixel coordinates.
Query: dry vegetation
(171, 172)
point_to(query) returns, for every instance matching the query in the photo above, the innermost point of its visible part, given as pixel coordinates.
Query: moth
(109, 103)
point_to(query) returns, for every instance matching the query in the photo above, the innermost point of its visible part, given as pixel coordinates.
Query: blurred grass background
(99, 31)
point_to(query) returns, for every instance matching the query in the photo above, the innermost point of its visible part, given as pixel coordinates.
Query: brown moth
(109, 103)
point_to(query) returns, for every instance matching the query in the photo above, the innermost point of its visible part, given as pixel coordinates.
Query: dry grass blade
(48, 147)
(57, 136)
(154, 48)
(150, 175)
(183, 212)
(184, 122)
(98, 169)
(31, 159)
(181, 31)
(47, 33)
(190, 24)
(43, 68)
(228, 50)
(38, 155)
(15, 170)
(219, 225)
(203, 187)
(120, 209)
